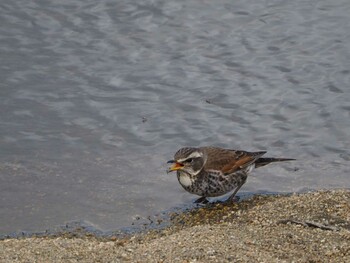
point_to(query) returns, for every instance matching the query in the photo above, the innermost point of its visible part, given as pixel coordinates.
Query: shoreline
(303, 227)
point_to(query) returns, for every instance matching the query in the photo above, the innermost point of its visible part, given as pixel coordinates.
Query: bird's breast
(185, 180)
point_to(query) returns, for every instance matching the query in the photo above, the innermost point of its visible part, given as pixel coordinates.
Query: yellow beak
(175, 166)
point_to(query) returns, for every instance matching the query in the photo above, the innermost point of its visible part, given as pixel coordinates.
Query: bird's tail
(264, 161)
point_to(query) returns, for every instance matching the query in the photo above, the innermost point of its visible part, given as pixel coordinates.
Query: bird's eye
(189, 160)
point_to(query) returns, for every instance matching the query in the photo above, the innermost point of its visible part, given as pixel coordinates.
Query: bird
(213, 171)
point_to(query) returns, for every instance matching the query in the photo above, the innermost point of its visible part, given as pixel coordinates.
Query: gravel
(310, 227)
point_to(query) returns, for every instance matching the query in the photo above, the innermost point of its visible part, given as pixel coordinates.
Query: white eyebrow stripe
(192, 155)
(195, 155)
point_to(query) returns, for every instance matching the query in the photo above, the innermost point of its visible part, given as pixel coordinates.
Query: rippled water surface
(96, 96)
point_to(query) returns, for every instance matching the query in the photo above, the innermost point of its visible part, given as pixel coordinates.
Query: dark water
(95, 97)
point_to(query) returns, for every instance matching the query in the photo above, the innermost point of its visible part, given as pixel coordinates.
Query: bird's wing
(229, 161)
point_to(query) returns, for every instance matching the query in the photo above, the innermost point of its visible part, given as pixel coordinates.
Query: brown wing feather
(229, 161)
(237, 164)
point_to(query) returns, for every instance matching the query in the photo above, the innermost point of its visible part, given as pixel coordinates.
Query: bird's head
(190, 160)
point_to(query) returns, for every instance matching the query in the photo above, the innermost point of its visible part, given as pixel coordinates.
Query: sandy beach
(310, 227)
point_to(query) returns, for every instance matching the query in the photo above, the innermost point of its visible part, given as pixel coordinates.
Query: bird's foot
(233, 199)
(201, 200)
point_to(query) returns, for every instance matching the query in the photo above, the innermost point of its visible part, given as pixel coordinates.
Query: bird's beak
(175, 166)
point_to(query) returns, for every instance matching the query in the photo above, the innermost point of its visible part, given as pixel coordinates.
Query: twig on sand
(308, 224)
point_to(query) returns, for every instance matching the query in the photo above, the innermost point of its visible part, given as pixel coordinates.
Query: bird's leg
(201, 200)
(232, 197)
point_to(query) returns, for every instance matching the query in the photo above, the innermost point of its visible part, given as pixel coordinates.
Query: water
(96, 96)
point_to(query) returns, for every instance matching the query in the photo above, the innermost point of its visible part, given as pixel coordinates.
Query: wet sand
(310, 227)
